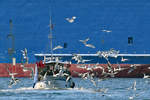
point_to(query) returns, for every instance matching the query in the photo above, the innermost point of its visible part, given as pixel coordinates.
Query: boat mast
(51, 36)
(10, 36)
(51, 30)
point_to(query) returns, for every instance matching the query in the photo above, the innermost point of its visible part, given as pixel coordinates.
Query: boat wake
(52, 90)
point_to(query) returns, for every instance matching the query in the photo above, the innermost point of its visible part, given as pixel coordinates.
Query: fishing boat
(53, 73)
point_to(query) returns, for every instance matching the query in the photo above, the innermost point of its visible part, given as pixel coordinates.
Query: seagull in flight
(24, 53)
(57, 47)
(107, 31)
(132, 68)
(90, 45)
(123, 59)
(133, 87)
(146, 76)
(77, 58)
(85, 43)
(71, 20)
(25, 69)
(13, 81)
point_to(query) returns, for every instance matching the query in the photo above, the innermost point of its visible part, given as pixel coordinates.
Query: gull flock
(107, 72)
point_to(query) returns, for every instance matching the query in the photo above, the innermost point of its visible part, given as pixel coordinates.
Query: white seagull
(85, 43)
(132, 68)
(77, 58)
(123, 59)
(107, 31)
(146, 76)
(134, 85)
(90, 45)
(57, 47)
(24, 53)
(71, 20)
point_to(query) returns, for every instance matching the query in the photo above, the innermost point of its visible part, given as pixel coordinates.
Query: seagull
(105, 74)
(45, 75)
(77, 58)
(133, 86)
(86, 76)
(11, 74)
(71, 20)
(82, 75)
(146, 76)
(24, 53)
(84, 60)
(107, 31)
(94, 83)
(87, 45)
(132, 68)
(105, 54)
(25, 69)
(119, 68)
(113, 53)
(84, 41)
(24, 56)
(57, 47)
(103, 71)
(123, 59)
(13, 80)
(90, 45)
(99, 53)
(29, 69)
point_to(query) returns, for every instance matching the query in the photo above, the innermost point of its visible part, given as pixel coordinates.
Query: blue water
(109, 89)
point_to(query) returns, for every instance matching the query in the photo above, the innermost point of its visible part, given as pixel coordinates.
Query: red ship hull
(5, 68)
(139, 71)
(75, 70)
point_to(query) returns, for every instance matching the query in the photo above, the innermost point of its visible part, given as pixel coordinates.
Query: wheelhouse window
(130, 40)
(65, 45)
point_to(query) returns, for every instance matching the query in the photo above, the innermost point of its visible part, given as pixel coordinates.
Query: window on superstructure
(65, 45)
(130, 40)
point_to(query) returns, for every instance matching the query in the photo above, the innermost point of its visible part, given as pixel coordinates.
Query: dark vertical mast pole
(10, 23)
(13, 44)
(51, 36)
(10, 36)
(51, 30)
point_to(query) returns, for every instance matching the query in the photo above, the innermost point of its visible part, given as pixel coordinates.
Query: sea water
(85, 89)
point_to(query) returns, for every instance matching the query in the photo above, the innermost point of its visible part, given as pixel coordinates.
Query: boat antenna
(51, 26)
(51, 36)
(11, 36)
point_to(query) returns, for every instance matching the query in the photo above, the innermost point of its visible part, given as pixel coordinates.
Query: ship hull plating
(98, 70)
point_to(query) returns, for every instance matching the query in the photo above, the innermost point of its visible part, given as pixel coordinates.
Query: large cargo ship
(82, 28)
